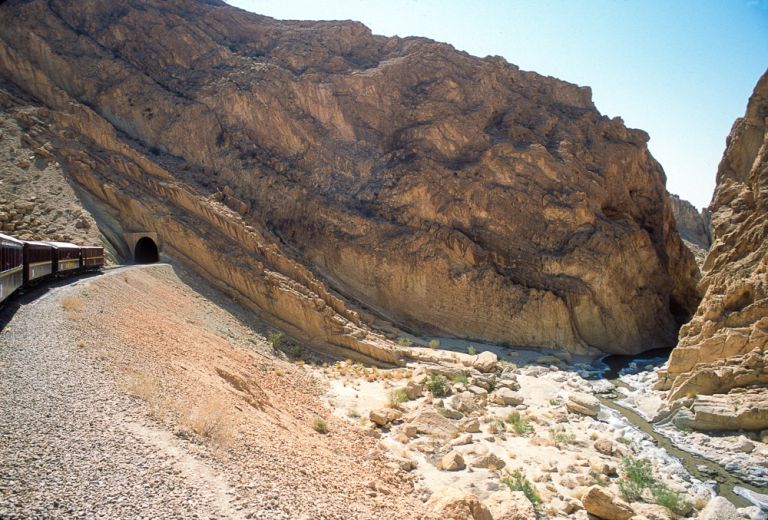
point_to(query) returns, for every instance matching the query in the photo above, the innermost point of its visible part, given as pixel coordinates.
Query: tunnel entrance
(145, 251)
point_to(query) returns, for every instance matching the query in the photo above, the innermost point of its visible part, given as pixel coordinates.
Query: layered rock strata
(724, 345)
(447, 193)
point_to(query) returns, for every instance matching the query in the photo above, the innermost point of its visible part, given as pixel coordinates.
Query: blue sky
(682, 70)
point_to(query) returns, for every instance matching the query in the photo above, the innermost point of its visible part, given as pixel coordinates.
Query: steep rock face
(447, 193)
(724, 344)
(695, 227)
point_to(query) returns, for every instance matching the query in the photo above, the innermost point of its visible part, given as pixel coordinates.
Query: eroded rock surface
(723, 346)
(695, 227)
(446, 192)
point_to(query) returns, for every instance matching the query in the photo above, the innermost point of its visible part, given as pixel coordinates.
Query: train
(25, 263)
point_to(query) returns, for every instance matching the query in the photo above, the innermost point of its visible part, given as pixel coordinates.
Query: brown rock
(452, 504)
(384, 417)
(695, 227)
(506, 397)
(357, 148)
(432, 423)
(452, 461)
(603, 504)
(584, 404)
(713, 353)
(604, 446)
(510, 505)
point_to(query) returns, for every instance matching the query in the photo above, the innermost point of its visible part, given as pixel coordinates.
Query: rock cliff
(695, 227)
(312, 167)
(724, 346)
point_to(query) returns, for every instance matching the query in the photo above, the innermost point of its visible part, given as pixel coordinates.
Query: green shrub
(460, 378)
(404, 342)
(436, 385)
(519, 424)
(319, 425)
(434, 343)
(518, 482)
(397, 396)
(638, 475)
(275, 339)
(675, 502)
(471, 350)
(296, 350)
(561, 437)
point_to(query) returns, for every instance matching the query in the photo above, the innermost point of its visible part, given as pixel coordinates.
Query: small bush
(518, 482)
(561, 437)
(436, 385)
(460, 378)
(73, 303)
(319, 425)
(554, 402)
(471, 350)
(397, 396)
(434, 343)
(519, 424)
(209, 421)
(275, 339)
(638, 476)
(404, 342)
(675, 502)
(296, 350)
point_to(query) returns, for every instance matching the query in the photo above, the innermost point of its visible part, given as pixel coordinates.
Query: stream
(726, 481)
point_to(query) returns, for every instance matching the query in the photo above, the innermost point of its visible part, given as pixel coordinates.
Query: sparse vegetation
(404, 342)
(436, 385)
(275, 339)
(73, 304)
(518, 482)
(460, 378)
(471, 350)
(638, 476)
(397, 396)
(561, 437)
(626, 441)
(519, 423)
(296, 350)
(319, 425)
(209, 421)
(434, 343)
(554, 402)
(598, 478)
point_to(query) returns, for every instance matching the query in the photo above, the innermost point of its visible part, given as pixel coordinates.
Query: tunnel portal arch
(143, 247)
(145, 251)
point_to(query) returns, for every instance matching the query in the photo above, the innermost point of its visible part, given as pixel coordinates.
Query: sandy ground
(199, 386)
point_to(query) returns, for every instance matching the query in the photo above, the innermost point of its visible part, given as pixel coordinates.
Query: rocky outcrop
(723, 346)
(695, 227)
(310, 166)
(741, 409)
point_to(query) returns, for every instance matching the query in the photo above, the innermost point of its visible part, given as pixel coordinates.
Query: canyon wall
(695, 227)
(724, 346)
(445, 193)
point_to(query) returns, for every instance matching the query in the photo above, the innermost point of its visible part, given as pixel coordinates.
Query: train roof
(62, 245)
(14, 241)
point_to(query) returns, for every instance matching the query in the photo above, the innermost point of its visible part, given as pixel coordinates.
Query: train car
(66, 257)
(11, 266)
(38, 261)
(93, 258)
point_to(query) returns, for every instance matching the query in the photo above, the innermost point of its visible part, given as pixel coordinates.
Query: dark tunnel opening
(145, 251)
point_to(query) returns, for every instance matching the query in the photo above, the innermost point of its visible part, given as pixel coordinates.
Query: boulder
(585, 404)
(470, 425)
(604, 446)
(452, 461)
(510, 505)
(601, 466)
(645, 511)
(385, 417)
(508, 381)
(489, 461)
(414, 390)
(464, 402)
(486, 362)
(506, 397)
(601, 503)
(719, 508)
(429, 422)
(451, 503)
